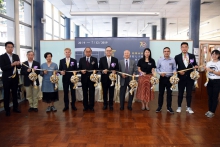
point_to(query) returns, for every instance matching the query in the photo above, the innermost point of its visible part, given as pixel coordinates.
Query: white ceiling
(175, 13)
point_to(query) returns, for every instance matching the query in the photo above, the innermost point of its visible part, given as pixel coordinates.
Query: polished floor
(115, 128)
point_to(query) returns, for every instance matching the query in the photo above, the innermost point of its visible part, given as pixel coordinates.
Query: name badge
(149, 63)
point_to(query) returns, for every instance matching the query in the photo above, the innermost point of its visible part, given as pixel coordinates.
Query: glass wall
(55, 23)
(8, 27)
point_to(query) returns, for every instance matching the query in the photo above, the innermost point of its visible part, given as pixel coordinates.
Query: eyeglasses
(108, 50)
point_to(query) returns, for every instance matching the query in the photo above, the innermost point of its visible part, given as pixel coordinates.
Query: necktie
(126, 66)
(185, 60)
(108, 62)
(67, 62)
(87, 62)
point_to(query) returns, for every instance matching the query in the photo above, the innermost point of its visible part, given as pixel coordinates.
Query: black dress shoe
(110, 108)
(92, 109)
(104, 107)
(7, 113)
(85, 109)
(121, 109)
(74, 108)
(35, 109)
(16, 110)
(65, 108)
(130, 108)
(30, 109)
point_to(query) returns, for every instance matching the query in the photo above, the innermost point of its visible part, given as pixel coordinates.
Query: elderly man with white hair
(126, 66)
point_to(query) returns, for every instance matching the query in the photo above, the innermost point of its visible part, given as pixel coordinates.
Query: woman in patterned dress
(146, 67)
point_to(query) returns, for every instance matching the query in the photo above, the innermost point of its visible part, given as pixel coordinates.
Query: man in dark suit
(126, 66)
(88, 63)
(68, 64)
(108, 64)
(185, 60)
(31, 87)
(9, 64)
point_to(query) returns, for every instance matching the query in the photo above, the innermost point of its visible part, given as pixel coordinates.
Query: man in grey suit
(126, 66)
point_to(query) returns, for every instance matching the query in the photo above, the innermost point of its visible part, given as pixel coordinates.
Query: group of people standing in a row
(146, 67)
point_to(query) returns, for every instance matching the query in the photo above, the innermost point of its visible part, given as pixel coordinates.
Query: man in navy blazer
(88, 63)
(31, 88)
(106, 64)
(68, 64)
(9, 64)
(185, 60)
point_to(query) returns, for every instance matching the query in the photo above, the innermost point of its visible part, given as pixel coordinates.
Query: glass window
(62, 33)
(6, 30)
(25, 35)
(24, 12)
(56, 38)
(48, 37)
(7, 7)
(2, 50)
(29, 1)
(48, 8)
(56, 14)
(48, 25)
(62, 21)
(56, 29)
(23, 54)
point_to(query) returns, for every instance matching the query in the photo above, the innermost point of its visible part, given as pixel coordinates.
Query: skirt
(49, 97)
(144, 92)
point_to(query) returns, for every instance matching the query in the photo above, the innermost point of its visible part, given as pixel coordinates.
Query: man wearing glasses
(108, 64)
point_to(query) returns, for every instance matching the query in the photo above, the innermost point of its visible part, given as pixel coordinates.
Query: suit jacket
(180, 65)
(63, 66)
(131, 70)
(27, 81)
(93, 65)
(103, 64)
(6, 66)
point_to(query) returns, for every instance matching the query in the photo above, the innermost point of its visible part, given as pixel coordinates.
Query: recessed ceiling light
(172, 23)
(172, 2)
(102, 2)
(127, 22)
(108, 30)
(206, 2)
(137, 2)
(106, 22)
(124, 30)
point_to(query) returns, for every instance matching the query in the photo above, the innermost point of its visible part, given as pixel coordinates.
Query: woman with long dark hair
(213, 86)
(146, 68)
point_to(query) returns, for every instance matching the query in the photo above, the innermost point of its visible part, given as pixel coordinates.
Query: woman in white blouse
(213, 86)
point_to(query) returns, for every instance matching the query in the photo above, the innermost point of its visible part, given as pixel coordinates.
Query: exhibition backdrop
(135, 45)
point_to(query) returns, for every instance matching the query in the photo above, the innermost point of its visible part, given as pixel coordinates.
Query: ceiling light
(137, 2)
(211, 32)
(127, 22)
(172, 2)
(102, 2)
(98, 13)
(204, 24)
(106, 22)
(206, 2)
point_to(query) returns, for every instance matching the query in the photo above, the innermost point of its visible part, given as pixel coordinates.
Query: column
(17, 37)
(154, 32)
(76, 31)
(114, 26)
(194, 22)
(38, 27)
(163, 28)
(67, 28)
